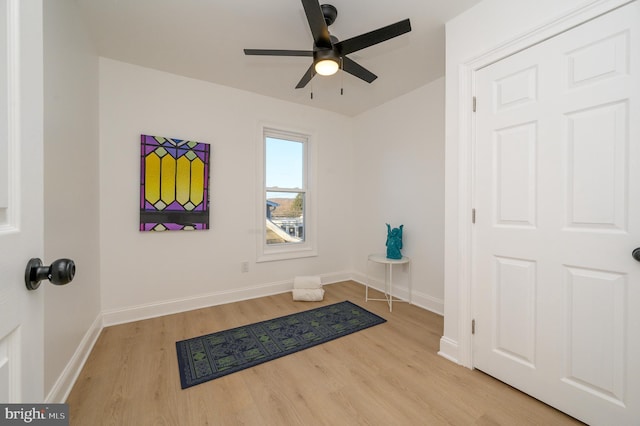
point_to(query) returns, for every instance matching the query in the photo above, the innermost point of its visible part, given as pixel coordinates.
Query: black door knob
(60, 272)
(636, 254)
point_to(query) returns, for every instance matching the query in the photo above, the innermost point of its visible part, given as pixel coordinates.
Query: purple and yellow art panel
(174, 184)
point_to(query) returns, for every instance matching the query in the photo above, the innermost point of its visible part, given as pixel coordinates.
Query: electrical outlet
(244, 267)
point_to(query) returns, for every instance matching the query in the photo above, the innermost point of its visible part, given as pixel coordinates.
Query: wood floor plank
(389, 374)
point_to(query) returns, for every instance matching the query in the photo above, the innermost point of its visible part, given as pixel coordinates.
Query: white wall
(150, 273)
(481, 30)
(399, 179)
(71, 185)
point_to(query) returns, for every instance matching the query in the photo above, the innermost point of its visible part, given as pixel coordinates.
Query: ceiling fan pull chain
(341, 76)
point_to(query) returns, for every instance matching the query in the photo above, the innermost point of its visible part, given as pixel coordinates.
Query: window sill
(274, 254)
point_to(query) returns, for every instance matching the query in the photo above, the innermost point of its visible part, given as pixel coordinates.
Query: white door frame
(466, 163)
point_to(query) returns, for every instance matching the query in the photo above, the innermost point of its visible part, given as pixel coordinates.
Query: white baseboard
(359, 278)
(448, 349)
(62, 387)
(428, 302)
(398, 292)
(421, 300)
(336, 277)
(168, 307)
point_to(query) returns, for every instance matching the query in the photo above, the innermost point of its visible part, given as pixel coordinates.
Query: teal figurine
(394, 242)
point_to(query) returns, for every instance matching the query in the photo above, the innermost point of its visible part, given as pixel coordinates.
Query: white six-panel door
(556, 292)
(21, 199)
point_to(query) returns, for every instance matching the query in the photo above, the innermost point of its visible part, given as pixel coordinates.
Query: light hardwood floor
(389, 374)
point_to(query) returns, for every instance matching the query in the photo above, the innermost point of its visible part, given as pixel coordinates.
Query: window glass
(285, 192)
(285, 217)
(283, 163)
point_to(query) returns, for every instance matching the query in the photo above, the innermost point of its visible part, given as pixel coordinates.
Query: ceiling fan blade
(357, 70)
(373, 37)
(318, 26)
(275, 52)
(306, 78)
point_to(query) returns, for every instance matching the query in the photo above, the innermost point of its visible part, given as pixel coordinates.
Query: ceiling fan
(328, 53)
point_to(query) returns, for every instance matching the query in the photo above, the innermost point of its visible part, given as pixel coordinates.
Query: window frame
(307, 248)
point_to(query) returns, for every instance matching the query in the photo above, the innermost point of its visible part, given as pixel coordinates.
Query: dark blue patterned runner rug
(215, 355)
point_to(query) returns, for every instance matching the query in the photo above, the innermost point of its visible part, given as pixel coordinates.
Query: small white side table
(388, 283)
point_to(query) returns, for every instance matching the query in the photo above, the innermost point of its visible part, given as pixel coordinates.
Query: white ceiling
(204, 39)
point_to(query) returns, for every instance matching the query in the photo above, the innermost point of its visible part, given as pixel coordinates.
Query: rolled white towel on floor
(307, 282)
(308, 294)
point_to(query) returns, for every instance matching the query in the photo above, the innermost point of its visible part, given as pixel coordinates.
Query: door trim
(466, 157)
(9, 218)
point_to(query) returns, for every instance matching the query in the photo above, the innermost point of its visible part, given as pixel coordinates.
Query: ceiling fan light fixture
(327, 67)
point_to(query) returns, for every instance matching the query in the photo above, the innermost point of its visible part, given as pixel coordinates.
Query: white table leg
(390, 287)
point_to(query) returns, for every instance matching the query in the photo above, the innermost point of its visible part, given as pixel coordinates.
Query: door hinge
(474, 104)
(473, 326)
(473, 215)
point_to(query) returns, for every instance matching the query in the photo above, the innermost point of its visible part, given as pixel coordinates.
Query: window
(286, 217)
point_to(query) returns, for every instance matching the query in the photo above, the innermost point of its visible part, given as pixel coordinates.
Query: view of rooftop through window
(285, 191)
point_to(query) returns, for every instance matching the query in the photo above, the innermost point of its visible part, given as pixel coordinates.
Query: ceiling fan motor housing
(330, 13)
(322, 54)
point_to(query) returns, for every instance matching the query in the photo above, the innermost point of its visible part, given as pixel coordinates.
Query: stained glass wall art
(174, 184)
